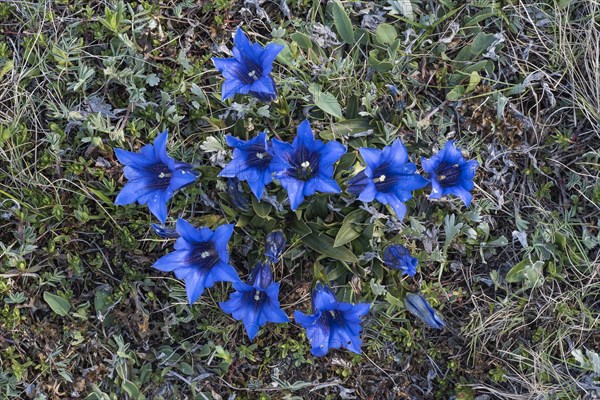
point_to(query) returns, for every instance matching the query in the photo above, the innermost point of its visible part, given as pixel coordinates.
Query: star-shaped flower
(249, 71)
(450, 173)
(256, 302)
(388, 177)
(200, 258)
(307, 165)
(252, 162)
(152, 176)
(398, 257)
(418, 306)
(333, 324)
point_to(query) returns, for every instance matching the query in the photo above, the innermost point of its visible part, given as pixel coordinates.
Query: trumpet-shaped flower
(200, 258)
(451, 173)
(398, 257)
(274, 246)
(152, 176)
(333, 324)
(256, 302)
(307, 165)
(420, 308)
(388, 177)
(252, 162)
(249, 71)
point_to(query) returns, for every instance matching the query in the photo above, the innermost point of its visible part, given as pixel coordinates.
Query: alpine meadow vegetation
(299, 199)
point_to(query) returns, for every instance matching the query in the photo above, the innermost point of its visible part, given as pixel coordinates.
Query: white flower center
(162, 175)
(257, 295)
(259, 156)
(305, 164)
(332, 313)
(204, 254)
(382, 178)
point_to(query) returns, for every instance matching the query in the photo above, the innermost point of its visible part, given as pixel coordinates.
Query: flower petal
(268, 55)
(295, 190)
(132, 191)
(172, 261)
(371, 157)
(223, 272)
(181, 178)
(160, 148)
(135, 159)
(157, 204)
(368, 193)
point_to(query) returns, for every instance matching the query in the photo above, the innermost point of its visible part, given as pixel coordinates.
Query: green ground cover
(516, 275)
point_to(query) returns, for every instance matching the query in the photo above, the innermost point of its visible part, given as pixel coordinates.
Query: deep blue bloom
(249, 71)
(200, 258)
(256, 302)
(274, 246)
(420, 308)
(307, 165)
(238, 197)
(252, 162)
(388, 177)
(333, 324)
(152, 176)
(450, 173)
(398, 257)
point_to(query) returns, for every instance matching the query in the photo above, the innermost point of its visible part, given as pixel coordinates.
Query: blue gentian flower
(307, 165)
(252, 162)
(200, 258)
(256, 302)
(451, 173)
(420, 308)
(249, 71)
(274, 246)
(152, 176)
(238, 197)
(333, 324)
(388, 177)
(398, 257)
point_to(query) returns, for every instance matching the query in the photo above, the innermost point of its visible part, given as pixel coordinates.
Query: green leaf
(300, 227)
(262, 209)
(325, 101)
(323, 244)
(456, 93)
(346, 234)
(451, 230)
(59, 305)
(376, 64)
(152, 80)
(502, 102)
(351, 126)
(361, 36)
(516, 273)
(402, 7)
(351, 228)
(102, 300)
(8, 66)
(342, 23)
(302, 40)
(131, 389)
(481, 42)
(474, 80)
(285, 56)
(386, 33)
